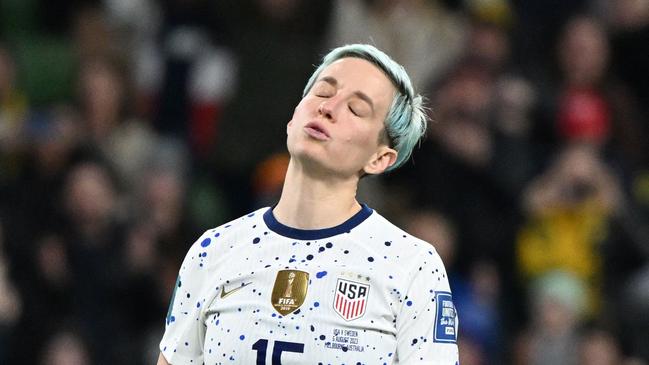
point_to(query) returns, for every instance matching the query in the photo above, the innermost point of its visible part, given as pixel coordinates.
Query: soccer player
(321, 278)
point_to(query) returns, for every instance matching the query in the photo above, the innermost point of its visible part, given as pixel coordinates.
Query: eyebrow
(359, 94)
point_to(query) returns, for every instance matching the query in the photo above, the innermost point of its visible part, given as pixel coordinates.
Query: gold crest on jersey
(289, 290)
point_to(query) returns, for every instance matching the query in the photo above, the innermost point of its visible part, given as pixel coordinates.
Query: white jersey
(255, 291)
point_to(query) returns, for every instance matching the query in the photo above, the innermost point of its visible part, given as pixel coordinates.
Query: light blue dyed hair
(405, 122)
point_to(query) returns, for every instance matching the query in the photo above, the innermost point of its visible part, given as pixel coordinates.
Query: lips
(317, 131)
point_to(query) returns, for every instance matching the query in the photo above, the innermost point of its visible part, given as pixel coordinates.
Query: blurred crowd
(128, 127)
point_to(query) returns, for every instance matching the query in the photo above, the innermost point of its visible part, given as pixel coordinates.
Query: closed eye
(359, 108)
(323, 90)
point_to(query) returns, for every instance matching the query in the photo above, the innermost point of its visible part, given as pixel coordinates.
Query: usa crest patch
(445, 318)
(350, 300)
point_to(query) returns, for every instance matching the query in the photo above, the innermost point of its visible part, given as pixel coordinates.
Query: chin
(309, 159)
(305, 149)
(304, 156)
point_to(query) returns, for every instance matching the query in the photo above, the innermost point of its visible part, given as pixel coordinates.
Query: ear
(381, 160)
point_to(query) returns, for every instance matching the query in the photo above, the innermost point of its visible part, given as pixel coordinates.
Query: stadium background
(127, 127)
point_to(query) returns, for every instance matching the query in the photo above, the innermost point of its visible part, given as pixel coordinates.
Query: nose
(327, 107)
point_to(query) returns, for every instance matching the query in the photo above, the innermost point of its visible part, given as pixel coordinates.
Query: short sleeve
(427, 324)
(182, 342)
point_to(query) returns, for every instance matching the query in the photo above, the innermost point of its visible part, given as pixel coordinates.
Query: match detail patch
(445, 318)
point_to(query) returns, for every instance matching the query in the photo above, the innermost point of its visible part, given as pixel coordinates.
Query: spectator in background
(95, 240)
(475, 294)
(152, 235)
(514, 101)
(161, 226)
(425, 36)
(106, 104)
(592, 105)
(113, 286)
(139, 22)
(569, 208)
(558, 301)
(195, 70)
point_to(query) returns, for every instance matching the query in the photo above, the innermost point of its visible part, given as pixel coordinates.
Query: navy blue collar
(315, 234)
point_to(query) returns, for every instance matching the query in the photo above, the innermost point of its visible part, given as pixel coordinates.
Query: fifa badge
(289, 290)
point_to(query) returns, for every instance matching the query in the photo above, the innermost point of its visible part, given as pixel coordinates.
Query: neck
(314, 202)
